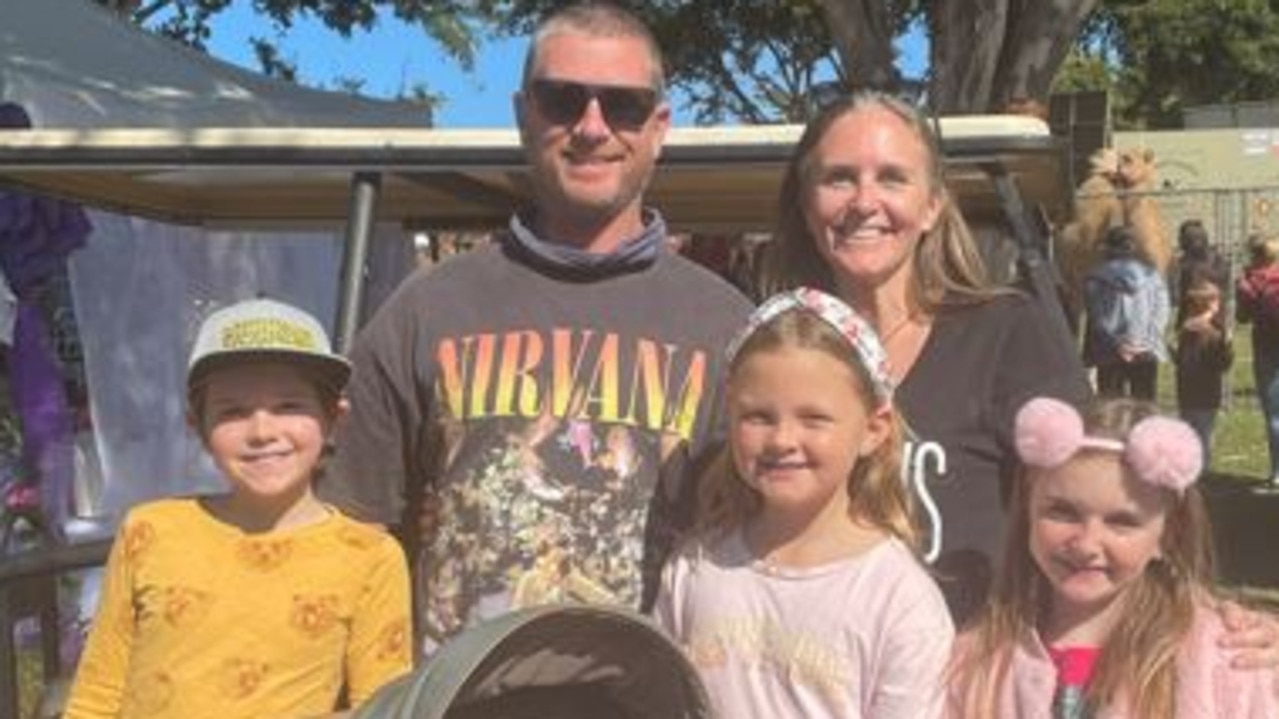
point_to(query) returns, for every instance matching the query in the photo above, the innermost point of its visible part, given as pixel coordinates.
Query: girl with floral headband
(801, 594)
(1104, 608)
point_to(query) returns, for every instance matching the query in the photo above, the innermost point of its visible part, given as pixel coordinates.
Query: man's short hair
(596, 19)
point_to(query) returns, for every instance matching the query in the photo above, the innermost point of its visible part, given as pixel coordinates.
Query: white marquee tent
(141, 286)
(72, 63)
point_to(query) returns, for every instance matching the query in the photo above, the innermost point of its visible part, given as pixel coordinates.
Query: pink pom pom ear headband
(1161, 451)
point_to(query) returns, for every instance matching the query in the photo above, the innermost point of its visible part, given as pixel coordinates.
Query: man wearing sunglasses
(546, 397)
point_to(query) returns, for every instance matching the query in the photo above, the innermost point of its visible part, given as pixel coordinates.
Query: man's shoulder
(476, 273)
(695, 280)
(462, 268)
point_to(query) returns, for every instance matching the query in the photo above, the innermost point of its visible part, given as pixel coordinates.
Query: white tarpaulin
(72, 63)
(140, 287)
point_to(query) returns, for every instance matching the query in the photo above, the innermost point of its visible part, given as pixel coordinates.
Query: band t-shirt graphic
(550, 411)
(557, 457)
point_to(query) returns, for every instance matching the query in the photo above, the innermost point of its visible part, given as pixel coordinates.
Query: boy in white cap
(262, 601)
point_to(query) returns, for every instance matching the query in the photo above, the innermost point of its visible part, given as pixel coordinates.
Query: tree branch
(967, 38)
(862, 32)
(1038, 41)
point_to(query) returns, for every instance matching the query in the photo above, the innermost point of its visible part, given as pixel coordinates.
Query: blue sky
(394, 57)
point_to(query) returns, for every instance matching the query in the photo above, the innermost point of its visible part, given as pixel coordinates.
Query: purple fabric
(36, 235)
(48, 431)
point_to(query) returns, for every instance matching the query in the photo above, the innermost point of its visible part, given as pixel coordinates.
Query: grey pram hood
(552, 662)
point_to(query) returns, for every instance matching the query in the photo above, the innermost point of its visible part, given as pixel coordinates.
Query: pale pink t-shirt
(861, 638)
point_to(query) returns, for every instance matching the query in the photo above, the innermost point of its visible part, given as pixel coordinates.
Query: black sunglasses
(563, 102)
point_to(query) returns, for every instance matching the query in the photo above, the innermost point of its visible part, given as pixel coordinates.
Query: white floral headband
(1161, 451)
(860, 335)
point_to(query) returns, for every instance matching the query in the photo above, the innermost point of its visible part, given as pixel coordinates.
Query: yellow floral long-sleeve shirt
(199, 619)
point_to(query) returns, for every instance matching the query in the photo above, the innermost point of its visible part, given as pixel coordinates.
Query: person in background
(802, 595)
(1104, 606)
(865, 215)
(264, 601)
(1203, 354)
(1257, 303)
(1127, 305)
(1198, 262)
(547, 395)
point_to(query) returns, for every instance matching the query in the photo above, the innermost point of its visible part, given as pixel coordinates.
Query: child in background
(1104, 607)
(1203, 354)
(1126, 301)
(801, 594)
(262, 602)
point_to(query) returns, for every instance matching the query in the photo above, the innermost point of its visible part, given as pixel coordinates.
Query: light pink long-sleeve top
(1207, 688)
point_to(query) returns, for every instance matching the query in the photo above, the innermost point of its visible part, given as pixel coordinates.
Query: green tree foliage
(452, 23)
(1167, 55)
(762, 61)
(741, 60)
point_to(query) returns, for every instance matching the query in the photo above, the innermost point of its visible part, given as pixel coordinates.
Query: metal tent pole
(365, 187)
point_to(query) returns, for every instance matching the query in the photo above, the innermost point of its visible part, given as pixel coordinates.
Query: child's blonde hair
(1138, 663)
(876, 492)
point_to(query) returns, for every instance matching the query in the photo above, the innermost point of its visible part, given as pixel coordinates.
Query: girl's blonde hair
(876, 493)
(1263, 249)
(1138, 663)
(948, 268)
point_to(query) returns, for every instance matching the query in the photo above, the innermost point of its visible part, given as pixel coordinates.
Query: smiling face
(588, 175)
(265, 426)
(799, 425)
(1093, 531)
(869, 198)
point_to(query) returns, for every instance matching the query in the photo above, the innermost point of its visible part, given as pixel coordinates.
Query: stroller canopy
(552, 662)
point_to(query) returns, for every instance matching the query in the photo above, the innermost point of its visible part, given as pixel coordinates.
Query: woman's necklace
(887, 337)
(904, 348)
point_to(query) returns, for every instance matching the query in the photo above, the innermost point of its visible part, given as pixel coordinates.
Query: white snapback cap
(264, 330)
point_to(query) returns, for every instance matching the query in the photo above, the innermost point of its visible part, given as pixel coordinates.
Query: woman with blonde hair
(865, 214)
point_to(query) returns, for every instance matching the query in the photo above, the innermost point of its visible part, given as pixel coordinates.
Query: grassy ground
(1239, 441)
(1245, 515)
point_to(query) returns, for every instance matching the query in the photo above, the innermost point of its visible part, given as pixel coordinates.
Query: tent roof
(72, 63)
(715, 179)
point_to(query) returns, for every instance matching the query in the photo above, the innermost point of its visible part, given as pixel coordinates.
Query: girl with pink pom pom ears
(1104, 608)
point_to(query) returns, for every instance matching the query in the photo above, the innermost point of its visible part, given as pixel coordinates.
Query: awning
(722, 179)
(714, 179)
